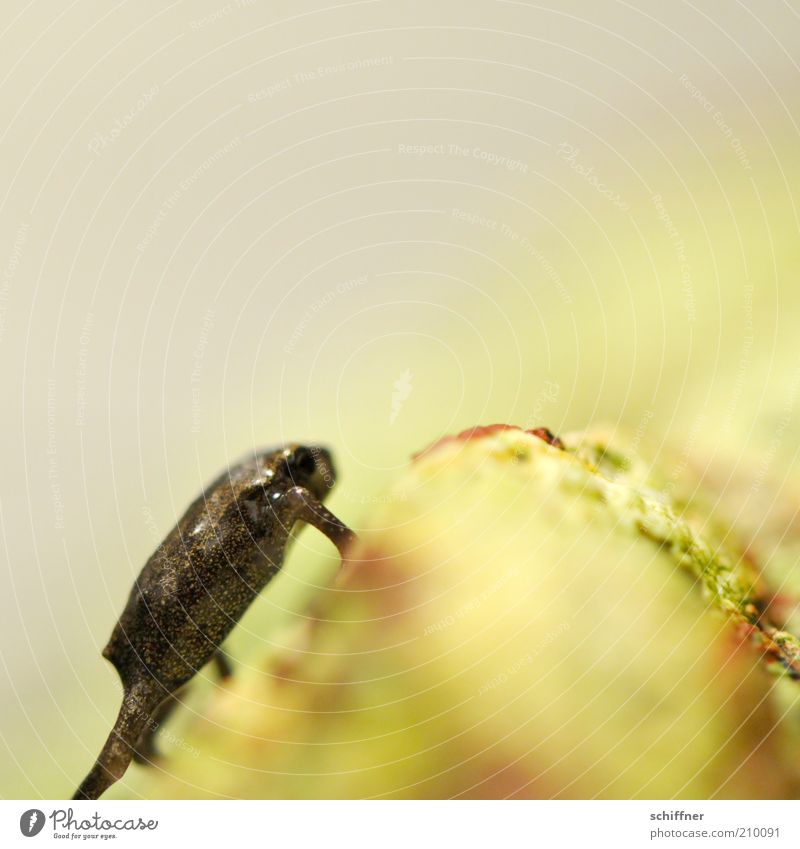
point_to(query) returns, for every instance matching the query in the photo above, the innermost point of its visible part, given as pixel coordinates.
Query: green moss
(729, 583)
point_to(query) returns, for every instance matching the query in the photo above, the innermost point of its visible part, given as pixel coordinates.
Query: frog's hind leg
(138, 703)
(146, 751)
(223, 664)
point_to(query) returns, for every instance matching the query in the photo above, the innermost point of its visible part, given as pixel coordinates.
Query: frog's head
(311, 467)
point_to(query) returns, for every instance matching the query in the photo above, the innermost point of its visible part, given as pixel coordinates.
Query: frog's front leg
(309, 509)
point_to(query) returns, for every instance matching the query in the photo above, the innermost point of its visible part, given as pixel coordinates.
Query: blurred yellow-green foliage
(516, 621)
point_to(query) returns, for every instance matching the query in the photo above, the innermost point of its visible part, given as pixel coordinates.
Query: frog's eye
(302, 461)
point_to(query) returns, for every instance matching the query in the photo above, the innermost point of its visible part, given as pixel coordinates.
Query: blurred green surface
(515, 622)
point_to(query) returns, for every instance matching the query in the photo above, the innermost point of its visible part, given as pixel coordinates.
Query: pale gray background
(255, 256)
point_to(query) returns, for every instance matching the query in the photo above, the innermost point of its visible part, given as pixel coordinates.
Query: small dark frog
(229, 544)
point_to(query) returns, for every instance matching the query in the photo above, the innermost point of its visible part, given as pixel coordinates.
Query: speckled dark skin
(198, 583)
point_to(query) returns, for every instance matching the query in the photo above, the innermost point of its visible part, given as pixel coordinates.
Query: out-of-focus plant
(523, 618)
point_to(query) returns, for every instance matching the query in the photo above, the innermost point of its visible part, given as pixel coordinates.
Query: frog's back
(177, 584)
